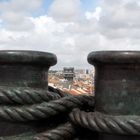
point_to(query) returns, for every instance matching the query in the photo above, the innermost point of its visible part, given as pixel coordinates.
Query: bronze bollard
(29, 108)
(117, 94)
(22, 75)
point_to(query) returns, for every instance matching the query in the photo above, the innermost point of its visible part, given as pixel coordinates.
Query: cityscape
(73, 81)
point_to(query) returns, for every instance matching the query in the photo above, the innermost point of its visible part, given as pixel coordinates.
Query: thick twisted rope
(44, 109)
(27, 105)
(62, 132)
(23, 111)
(26, 96)
(96, 121)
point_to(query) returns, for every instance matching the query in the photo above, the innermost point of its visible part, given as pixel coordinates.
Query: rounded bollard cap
(114, 57)
(27, 57)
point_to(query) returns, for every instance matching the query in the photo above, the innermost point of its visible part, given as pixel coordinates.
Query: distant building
(68, 73)
(87, 71)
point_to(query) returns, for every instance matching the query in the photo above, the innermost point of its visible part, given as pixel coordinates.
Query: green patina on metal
(117, 94)
(117, 82)
(29, 109)
(23, 84)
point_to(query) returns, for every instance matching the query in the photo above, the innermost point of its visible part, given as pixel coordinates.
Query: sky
(71, 29)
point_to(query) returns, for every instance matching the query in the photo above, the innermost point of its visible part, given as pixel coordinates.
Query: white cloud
(68, 31)
(95, 14)
(14, 13)
(63, 10)
(20, 5)
(120, 19)
(16, 21)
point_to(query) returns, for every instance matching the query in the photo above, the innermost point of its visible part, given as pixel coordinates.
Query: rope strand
(96, 121)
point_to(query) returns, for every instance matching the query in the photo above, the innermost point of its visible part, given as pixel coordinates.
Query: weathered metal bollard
(28, 69)
(22, 72)
(117, 94)
(29, 108)
(27, 111)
